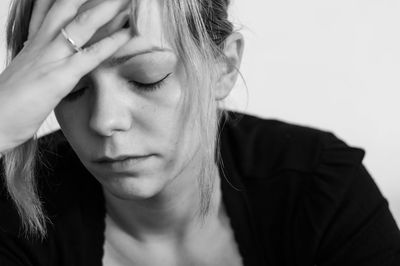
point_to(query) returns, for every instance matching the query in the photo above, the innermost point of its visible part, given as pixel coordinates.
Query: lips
(123, 163)
(121, 158)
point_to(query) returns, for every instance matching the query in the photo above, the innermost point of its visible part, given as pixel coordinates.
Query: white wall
(334, 65)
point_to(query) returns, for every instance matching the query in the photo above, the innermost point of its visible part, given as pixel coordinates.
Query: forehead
(145, 16)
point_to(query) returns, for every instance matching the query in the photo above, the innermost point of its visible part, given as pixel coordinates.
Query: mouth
(105, 159)
(122, 163)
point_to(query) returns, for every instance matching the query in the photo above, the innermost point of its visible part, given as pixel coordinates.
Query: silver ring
(70, 41)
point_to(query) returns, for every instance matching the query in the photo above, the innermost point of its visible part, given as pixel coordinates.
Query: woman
(137, 174)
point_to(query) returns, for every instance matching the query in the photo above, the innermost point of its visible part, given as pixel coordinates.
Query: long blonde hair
(197, 29)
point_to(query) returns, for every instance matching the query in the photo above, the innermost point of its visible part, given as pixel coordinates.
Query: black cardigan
(295, 196)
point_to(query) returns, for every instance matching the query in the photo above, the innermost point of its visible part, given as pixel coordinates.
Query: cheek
(170, 96)
(165, 107)
(182, 142)
(166, 122)
(71, 125)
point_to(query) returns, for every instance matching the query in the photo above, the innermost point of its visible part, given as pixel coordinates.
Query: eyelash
(146, 87)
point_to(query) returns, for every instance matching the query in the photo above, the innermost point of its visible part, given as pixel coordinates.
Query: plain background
(333, 65)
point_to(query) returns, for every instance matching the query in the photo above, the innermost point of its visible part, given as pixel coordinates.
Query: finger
(84, 26)
(82, 63)
(119, 22)
(60, 13)
(40, 9)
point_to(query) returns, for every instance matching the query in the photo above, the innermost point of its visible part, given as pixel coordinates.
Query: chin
(133, 188)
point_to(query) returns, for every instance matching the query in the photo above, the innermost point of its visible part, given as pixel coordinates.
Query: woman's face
(132, 108)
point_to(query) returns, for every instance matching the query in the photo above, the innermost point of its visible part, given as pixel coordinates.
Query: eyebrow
(115, 61)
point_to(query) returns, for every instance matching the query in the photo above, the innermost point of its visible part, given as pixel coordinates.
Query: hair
(197, 29)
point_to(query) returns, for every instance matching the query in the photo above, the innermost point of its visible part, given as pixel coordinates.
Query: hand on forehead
(142, 16)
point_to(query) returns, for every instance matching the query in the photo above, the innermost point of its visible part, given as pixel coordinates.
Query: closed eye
(149, 86)
(138, 85)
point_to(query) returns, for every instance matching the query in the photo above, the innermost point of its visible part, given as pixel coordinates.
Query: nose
(109, 112)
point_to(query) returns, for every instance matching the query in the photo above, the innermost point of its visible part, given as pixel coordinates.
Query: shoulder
(309, 195)
(263, 148)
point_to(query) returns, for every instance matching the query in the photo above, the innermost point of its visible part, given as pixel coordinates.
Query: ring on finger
(70, 41)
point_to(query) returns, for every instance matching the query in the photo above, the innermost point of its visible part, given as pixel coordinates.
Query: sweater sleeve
(356, 226)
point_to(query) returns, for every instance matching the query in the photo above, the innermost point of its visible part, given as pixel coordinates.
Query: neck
(170, 215)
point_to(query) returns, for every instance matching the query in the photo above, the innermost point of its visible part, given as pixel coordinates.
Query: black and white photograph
(199, 133)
